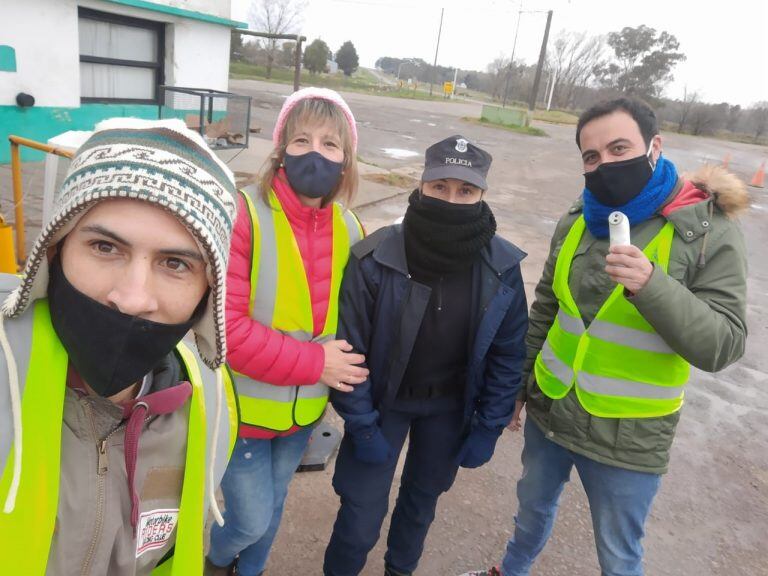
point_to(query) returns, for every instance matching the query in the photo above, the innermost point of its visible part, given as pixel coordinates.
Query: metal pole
(18, 197)
(512, 59)
(297, 63)
(434, 66)
(455, 75)
(18, 201)
(552, 90)
(542, 55)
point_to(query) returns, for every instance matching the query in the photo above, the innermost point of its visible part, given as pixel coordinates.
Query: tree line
(585, 69)
(283, 17)
(315, 57)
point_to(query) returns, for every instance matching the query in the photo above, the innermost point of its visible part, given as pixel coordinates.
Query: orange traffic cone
(726, 160)
(758, 180)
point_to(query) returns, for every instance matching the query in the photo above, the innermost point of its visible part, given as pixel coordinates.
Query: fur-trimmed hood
(728, 190)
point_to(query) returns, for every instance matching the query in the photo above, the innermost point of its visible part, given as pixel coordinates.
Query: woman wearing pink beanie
(289, 249)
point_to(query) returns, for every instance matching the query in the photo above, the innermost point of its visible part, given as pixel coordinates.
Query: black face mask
(441, 237)
(616, 183)
(448, 212)
(110, 350)
(312, 174)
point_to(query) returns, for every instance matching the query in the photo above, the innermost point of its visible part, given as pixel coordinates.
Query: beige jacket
(93, 534)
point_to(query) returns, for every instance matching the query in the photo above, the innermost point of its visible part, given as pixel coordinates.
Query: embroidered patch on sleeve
(155, 529)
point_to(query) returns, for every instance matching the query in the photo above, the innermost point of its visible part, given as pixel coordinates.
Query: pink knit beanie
(321, 94)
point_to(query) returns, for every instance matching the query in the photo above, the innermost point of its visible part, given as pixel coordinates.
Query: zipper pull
(103, 459)
(314, 220)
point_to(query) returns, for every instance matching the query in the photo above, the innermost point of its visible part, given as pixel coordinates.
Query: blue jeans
(619, 501)
(254, 487)
(436, 431)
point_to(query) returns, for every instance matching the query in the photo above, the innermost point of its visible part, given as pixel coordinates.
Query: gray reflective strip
(570, 324)
(222, 444)
(255, 389)
(19, 332)
(353, 228)
(648, 341)
(560, 370)
(627, 388)
(315, 391)
(266, 286)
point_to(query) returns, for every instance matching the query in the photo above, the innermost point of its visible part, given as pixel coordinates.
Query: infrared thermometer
(618, 225)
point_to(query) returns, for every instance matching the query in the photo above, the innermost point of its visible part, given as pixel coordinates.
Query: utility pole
(542, 55)
(434, 66)
(552, 88)
(512, 59)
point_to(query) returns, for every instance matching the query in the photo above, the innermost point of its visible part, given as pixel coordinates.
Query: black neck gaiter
(441, 237)
(110, 350)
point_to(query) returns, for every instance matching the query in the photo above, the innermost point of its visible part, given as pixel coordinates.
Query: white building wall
(197, 55)
(220, 8)
(44, 35)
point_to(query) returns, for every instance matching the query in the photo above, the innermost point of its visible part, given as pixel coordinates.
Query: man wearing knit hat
(113, 432)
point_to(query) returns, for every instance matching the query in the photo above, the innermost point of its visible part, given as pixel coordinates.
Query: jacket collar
(391, 250)
(499, 255)
(297, 213)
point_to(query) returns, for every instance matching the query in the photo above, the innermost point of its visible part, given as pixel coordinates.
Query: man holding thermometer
(646, 276)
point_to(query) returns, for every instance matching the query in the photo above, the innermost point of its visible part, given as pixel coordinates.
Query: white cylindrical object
(618, 224)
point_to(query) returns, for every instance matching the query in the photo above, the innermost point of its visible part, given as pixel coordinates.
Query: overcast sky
(725, 42)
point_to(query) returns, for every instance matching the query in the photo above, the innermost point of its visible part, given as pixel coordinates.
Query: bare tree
(498, 71)
(758, 116)
(275, 17)
(704, 119)
(690, 99)
(734, 117)
(575, 57)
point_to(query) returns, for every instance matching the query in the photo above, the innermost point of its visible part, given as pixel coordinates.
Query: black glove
(478, 447)
(371, 447)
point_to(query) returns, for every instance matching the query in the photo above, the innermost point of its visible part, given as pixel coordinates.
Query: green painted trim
(41, 123)
(7, 59)
(183, 13)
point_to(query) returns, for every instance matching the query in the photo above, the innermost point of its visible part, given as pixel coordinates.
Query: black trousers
(436, 431)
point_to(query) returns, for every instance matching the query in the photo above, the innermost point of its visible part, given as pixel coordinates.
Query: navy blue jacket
(380, 312)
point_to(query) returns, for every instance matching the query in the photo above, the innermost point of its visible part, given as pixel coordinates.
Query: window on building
(121, 58)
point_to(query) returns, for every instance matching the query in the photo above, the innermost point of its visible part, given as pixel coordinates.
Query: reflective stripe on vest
(620, 366)
(280, 299)
(27, 531)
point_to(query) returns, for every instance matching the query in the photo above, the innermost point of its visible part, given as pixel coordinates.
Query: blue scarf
(640, 208)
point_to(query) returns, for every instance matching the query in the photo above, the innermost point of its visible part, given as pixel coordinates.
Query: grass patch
(361, 81)
(556, 117)
(671, 128)
(529, 130)
(392, 179)
(410, 94)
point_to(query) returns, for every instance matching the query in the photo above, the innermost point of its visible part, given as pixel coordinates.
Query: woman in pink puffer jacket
(290, 245)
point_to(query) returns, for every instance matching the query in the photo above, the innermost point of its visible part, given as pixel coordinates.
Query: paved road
(711, 516)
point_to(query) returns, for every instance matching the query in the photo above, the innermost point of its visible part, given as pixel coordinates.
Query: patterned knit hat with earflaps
(160, 162)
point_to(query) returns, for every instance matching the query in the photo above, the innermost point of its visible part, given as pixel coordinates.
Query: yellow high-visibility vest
(27, 531)
(619, 365)
(280, 299)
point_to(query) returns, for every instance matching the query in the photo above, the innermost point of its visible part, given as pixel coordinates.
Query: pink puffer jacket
(257, 350)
